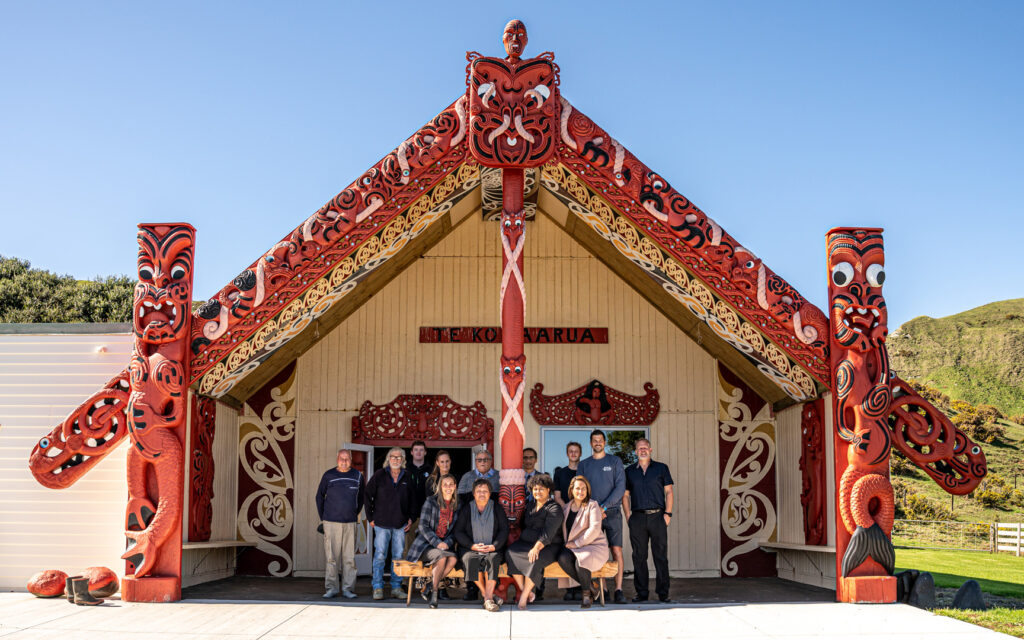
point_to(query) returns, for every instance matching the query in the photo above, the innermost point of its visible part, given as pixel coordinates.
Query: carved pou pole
(513, 112)
(158, 375)
(861, 397)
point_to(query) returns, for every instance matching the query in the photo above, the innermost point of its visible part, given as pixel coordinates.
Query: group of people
(574, 519)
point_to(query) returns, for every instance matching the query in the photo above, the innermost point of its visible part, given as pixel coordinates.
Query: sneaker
(491, 605)
(378, 594)
(348, 593)
(398, 593)
(331, 593)
(620, 598)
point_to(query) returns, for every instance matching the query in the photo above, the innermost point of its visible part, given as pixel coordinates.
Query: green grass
(1008, 621)
(1000, 574)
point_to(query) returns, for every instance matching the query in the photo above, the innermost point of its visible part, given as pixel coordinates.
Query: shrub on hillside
(911, 505)
(1018, 419)
(899, 465)
(995, 493)
(988, 413)
(987, 432)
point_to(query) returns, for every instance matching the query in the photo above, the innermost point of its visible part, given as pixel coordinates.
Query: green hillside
(976, 356)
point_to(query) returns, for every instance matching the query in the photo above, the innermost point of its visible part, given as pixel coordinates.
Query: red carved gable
(436, 419)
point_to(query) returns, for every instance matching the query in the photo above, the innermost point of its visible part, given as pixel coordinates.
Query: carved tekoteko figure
(156, 410)
(513, 105)
(512, 498)
(862, 397)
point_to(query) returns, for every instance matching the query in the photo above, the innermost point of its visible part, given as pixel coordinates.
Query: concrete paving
(24, 616)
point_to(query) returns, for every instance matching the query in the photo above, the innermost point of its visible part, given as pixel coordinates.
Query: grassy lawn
(1008, 621)
(999, 574)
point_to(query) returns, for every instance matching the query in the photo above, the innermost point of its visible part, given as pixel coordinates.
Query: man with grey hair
(339, 499)
(389, 502)
(648, 507)
(483, 463)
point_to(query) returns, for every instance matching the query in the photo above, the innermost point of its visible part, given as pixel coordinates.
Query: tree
(623, 445)
(37, 295)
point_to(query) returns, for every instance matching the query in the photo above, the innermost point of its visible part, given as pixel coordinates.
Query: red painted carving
(861, 400)
(200, 505)
(92, 431)
(513, 105)
(595, 404)
(928, 439)
(685, 232)
(436, 419)
(512, 498)
(337, 230)
(156, 410)
(812, 468)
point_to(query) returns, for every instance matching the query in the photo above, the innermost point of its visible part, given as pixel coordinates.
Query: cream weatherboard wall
(44, 377)
(808, 566)
(375, 355)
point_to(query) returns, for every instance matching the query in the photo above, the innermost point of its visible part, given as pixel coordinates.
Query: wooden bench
(406, 569)
(807, 549)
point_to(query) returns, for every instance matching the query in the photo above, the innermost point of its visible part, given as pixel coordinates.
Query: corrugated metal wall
(42, 379)
(375, 355)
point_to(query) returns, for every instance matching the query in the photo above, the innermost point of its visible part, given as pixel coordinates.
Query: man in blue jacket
(339, 499)
(607, 479)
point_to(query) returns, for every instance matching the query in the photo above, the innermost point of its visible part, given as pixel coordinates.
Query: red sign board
(531, 335)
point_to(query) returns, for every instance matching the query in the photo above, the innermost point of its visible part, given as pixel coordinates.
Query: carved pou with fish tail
(863, 395)
(156, 405)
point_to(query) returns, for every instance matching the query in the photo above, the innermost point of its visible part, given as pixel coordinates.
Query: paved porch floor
(24, 616)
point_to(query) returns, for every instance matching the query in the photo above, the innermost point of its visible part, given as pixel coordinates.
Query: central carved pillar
(513, 116)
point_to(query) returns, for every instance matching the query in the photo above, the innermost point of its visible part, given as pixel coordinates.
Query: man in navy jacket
(339, 499)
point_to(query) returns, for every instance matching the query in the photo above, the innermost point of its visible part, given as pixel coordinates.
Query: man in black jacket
(389, 501)
(339, 499)
(419, 471)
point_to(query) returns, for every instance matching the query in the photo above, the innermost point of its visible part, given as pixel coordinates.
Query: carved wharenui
(158, 375)
(812, 471)
(862, 395)
(200, 501)
(595, 404)
(513, 111)
(436, 419)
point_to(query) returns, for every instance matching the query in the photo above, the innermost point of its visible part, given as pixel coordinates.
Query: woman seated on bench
(482, 533)
(586, 546)
(435, 540)
(541, 540)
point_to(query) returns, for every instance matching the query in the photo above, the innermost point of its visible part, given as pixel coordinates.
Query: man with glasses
(389, 501)
(483, 468)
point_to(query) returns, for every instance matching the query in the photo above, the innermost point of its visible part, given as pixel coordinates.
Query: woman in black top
(481, 531)
(541, 540)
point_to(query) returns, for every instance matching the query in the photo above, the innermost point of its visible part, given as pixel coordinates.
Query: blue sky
(780, 120)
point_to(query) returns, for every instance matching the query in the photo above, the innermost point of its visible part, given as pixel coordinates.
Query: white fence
(1009, 537)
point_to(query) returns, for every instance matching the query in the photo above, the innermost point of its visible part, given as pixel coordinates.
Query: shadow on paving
(684, 591)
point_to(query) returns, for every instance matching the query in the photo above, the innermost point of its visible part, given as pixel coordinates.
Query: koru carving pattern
(201, 434)
(156, 406)
(928, 439)
(84, 438)
(812, 471)
(862, 397)
(595, 404)
(435, 419)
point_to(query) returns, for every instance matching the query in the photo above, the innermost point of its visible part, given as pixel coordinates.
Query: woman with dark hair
(593, 405)
(541, 540)
(435, 540)
(586, 546)
(442, 466)
(482, 533)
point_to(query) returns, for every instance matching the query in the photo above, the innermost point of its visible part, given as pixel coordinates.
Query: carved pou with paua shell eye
(863, 396)
(513, 105)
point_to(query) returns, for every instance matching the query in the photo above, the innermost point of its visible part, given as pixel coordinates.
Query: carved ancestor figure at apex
(858, 323)
(513, 104)
(593, 405)
(156, 406)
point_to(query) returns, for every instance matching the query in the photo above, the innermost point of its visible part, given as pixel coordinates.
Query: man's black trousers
(644, 527)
